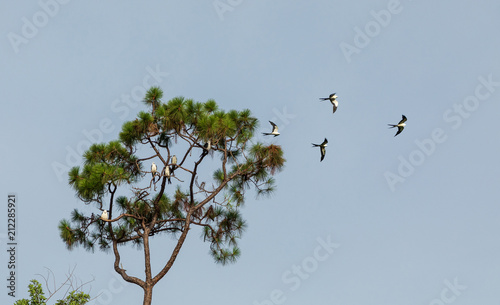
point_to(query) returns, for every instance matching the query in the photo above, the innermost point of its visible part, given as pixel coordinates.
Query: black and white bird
(104, 215)
(333, 99)
(166, 173)
(153, 169)
(206, 148)
(322, 148)
(401, 125)
(275, 131)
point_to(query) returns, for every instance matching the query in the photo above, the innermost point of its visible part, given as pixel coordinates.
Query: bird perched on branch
(153, 169)
(167, 174)
(104, 215)
(174, 164)
(206, 148)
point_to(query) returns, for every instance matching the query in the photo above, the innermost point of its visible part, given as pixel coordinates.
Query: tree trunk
(148, 295)
(148, 286)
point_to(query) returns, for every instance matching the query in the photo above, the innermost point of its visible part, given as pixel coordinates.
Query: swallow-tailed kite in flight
(322, 148)
(401, 125)
(332, 99)
(104, 215)
(275, 131)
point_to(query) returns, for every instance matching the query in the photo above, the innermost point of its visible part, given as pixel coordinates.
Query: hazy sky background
(82, 66)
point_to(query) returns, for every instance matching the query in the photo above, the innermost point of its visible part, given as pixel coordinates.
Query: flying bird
(322, 148)
(401, 125)
(104, 215)
(275, 131)
(332, 98)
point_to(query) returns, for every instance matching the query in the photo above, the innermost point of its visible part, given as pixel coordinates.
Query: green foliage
(115, 176)
(74, 298)
(37, 296)
(153, 97)
(105, 165)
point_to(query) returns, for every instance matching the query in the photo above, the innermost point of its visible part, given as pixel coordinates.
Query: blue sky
(410, 219)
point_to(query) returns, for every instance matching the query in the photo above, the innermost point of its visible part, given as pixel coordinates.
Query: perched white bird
(166, 173)
(104, 215)
(274, 132)
(174, 164)
(153, 169)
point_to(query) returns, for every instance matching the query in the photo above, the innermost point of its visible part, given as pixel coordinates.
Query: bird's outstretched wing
(400, 129)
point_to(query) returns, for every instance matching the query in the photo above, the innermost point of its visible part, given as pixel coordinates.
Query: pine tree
(141, 204)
